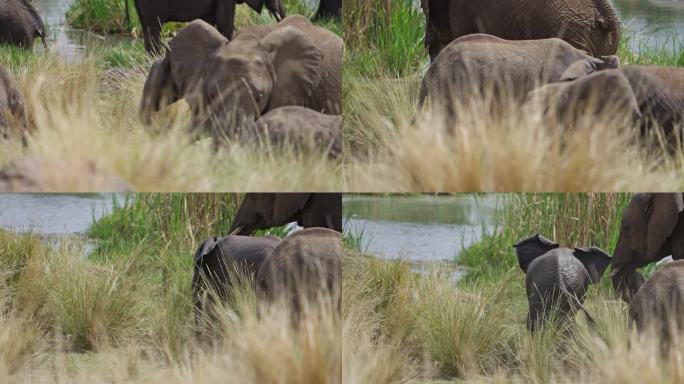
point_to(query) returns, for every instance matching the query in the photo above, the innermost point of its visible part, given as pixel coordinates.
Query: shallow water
(656, 23)
(52, 214)
(419, 228)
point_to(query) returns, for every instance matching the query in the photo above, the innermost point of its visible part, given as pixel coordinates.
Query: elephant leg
(152, 36)
(225, 18)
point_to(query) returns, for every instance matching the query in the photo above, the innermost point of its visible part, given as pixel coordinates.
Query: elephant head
(263, 210)
(645, 230)
(532, 247)
(230, 83)
(275, 7)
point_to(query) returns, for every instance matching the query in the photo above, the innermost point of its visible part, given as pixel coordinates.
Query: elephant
(219, 259)
(300, 128)
(589, 25)
(557, 277)
(659, 304)
(651, 228)
(12, 106)
(220, 13)
(328, 9)
(478, 66)
(37, 174)
(230, 83)
(649, 96)
(266, 210)
(20, 24)
(305, 265)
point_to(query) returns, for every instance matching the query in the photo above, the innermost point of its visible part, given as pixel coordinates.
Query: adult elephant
(659, 304)
(266, 210)
(485, 67)
(230, 83)
(12, 106)
(652, 228)
(305, 266)
(590, 25)
(217, 260)
(328, 9)
(220, 13)
(20, 24)
(650, 96)
(557, 278)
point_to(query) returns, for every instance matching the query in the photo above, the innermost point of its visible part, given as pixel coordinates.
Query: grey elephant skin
(328, 9)
(557, 278)
(659, 304)
(219, 260)
(13, 115)
(650, 96)
(652, 227)
(590, 25)
(220, 13)
(301, 129)
(305, 266)
(227, 83)
(479, 66)
(266, 210)
(20, 24)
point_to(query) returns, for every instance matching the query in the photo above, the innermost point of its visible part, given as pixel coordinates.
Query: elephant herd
(652, 227)
(273, 85)
(303, 266)
(557, 56)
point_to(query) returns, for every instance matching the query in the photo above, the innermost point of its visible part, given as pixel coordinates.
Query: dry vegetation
(400, 326)
(391, 146)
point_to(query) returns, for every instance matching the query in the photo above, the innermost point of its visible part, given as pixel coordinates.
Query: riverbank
(126, 314)
(391, 147)
(402, 326)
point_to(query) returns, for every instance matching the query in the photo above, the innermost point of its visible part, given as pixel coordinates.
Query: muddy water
(70, 43)
(423, 230)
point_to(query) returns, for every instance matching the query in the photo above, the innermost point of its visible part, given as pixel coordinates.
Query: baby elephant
(659, 303)
(217, 259)
(299, 128)
(557, 278)
(647, 95)
(479, 67)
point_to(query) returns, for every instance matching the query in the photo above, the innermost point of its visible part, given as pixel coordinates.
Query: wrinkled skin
(219, 259)
(219, 13)
(306, 264)
(329, 9)
(647, 95)
(557, 278)
(230, 84)
(480, 66)
(12, 106)
(659, 304)
(20, 24)
(266, 210)
(652, 227)
(36, 174)
(302, 129)
(589, 25)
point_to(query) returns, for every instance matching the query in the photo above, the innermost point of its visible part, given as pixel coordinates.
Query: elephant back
(556, 272)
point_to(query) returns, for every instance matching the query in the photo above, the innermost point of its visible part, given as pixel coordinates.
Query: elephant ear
(296, 62)
(159, 91)
(286, 206)
(595, 260)
(662, 214)
(587, 66)
(204, 249)
(190, 51)
(532, 247)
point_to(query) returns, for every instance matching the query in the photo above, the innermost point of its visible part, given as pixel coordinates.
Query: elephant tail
(579, 305)
(423, 94)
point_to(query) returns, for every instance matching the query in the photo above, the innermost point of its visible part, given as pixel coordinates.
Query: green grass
(426, 328)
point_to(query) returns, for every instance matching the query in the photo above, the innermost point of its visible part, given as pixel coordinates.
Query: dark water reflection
(656, 23)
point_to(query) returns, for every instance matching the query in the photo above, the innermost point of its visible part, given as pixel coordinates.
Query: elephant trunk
(626, 282)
